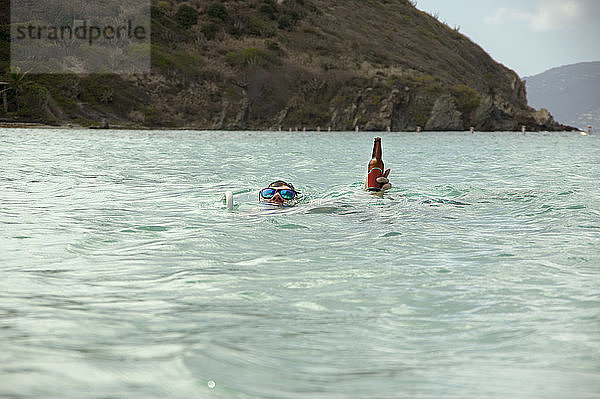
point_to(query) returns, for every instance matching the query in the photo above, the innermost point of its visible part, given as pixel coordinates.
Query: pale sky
(528, 36)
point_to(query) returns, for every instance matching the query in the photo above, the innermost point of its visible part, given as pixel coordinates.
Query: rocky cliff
(270, 64)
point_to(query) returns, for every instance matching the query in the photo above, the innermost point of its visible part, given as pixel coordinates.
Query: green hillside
(270, 64)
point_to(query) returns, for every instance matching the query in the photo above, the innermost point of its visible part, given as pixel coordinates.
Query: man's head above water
(278, 192)
(281, 183)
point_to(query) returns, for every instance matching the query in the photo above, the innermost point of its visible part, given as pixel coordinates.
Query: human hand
(384, 181)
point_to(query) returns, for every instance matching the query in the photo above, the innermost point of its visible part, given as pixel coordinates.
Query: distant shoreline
(33, 125)
(70, 126)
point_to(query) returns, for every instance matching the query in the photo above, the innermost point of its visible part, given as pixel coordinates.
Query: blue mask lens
(287, 194)
(268, 193)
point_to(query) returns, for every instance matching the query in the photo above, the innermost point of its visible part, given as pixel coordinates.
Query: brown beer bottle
(375, 167)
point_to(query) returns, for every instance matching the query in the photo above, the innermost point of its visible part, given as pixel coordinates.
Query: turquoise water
(124, 276)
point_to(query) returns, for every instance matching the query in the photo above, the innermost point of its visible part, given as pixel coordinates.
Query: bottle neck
(377, 149)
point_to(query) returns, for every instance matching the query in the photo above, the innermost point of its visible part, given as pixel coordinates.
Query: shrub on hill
(217, 11)
(209, 30)
(249, 56)
(187, 16)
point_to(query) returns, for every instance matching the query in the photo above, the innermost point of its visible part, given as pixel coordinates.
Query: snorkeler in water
(279, 193)
(282, 193)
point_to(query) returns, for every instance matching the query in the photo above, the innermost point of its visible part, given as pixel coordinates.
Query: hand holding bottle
(377, 180)
(382, 180)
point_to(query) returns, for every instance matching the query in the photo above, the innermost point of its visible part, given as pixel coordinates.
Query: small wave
(442, 201)
(292, 226)
(324, 210)
(391, 234)
(310, 306)
(589, 227)
(152, 228)
(576, 207)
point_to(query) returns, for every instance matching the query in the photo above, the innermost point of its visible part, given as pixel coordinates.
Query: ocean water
(123, 275)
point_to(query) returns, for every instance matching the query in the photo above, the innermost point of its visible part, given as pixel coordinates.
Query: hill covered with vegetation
(270, 64)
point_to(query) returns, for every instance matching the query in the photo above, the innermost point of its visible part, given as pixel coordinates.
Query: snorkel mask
(270, 192)
(283, 192)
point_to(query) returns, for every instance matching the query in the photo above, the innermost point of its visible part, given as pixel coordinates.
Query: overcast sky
(528, 36)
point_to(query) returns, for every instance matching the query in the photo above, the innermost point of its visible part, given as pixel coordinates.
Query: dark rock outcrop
(444, 115)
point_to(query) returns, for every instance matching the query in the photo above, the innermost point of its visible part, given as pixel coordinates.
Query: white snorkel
(229, 200)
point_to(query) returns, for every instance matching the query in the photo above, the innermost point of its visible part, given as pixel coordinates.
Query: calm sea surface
(124, 276)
